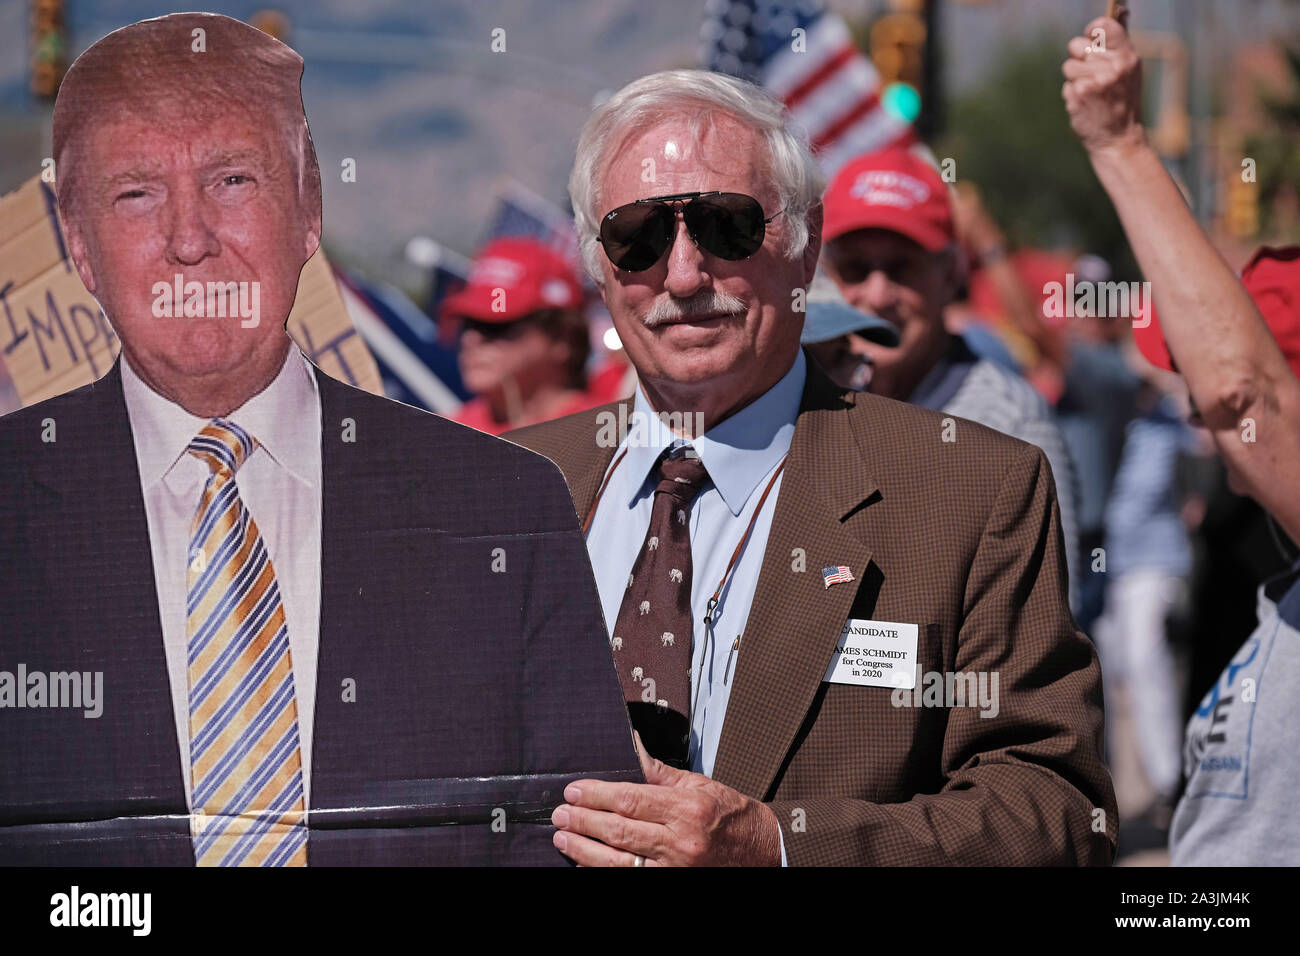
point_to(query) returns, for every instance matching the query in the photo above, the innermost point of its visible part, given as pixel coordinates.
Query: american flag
(521, 212)
(837, 575)
(416, 366)
(829, 86)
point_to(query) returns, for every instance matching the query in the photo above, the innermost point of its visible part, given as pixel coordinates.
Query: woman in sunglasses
(524, 341)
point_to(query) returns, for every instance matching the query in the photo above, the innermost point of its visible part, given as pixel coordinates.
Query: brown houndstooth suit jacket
(961, 537)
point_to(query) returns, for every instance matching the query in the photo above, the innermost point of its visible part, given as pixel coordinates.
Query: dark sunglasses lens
(491, 331)
(729, 225)
(636, 235)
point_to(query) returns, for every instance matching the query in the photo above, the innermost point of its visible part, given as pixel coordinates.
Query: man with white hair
(842, 637)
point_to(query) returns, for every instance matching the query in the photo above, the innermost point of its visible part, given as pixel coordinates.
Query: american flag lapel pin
(836, 575)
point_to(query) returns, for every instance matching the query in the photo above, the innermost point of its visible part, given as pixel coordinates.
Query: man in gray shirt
(891, 246)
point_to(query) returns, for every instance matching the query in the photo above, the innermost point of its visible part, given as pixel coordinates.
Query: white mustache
(702, 303)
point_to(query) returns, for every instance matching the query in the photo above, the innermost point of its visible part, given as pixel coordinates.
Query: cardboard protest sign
(54, 337)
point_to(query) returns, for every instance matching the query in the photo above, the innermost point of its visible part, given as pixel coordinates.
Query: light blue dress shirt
(740, 455)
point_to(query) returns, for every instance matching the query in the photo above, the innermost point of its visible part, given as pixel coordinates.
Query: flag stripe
(820, 76)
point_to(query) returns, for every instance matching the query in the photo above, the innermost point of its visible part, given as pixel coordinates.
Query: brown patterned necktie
(652, 635)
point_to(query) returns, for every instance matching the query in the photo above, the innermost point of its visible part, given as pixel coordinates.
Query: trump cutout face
(215, 205)
(190, 200)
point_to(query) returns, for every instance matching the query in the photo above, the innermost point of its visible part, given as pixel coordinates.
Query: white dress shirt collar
(163, 429)
(738, 451)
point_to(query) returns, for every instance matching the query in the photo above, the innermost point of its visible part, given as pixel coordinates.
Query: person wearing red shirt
(524, 341)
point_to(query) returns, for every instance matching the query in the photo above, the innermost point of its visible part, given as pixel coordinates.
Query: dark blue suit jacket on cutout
(478, 693)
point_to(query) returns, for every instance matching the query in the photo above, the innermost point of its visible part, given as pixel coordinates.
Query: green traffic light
(902, 100)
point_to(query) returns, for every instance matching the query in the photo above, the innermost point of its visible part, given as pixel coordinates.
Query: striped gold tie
(245, 765)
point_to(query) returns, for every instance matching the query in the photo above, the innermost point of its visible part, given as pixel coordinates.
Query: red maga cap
(1272, 278)
(892, 189)
(514, 277)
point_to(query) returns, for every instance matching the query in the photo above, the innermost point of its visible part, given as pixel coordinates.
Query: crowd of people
(858, 597)
(918, 298)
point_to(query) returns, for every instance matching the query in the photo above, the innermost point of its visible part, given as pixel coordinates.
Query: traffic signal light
(904, 50)
(49, 47)
(898, 48)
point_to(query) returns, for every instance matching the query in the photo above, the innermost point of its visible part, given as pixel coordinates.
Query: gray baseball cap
(829, 316)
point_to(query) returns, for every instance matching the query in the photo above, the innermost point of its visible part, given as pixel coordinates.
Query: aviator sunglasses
(730, 226)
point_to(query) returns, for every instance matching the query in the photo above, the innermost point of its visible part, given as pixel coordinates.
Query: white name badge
(875, 654)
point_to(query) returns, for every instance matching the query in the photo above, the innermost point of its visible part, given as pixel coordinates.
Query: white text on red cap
(883, 187)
